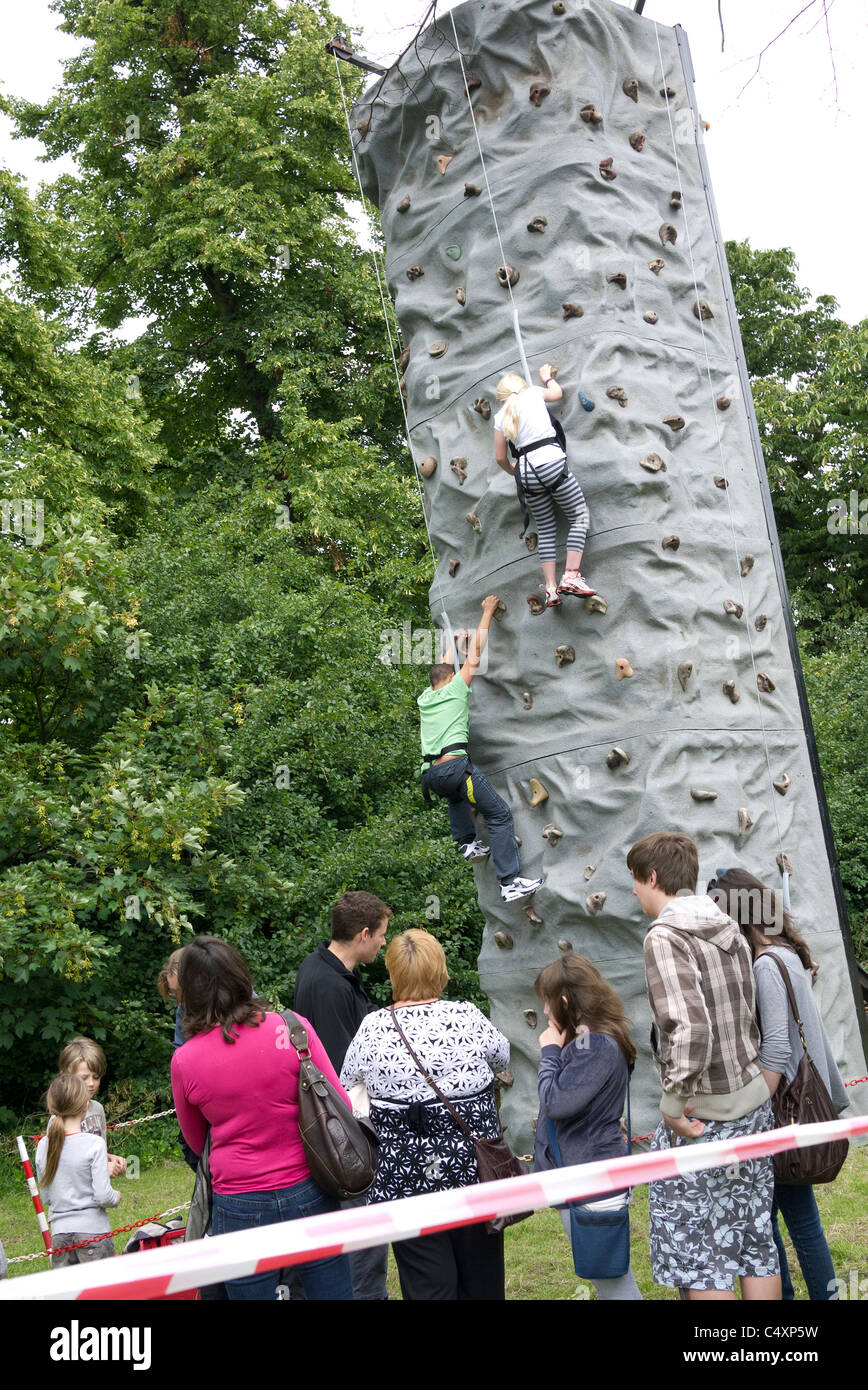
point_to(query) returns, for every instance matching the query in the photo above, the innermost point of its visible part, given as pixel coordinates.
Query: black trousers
(463, 1265)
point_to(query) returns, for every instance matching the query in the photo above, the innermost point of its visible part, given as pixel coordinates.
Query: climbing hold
(668, 234)
(453, 252)
(533, 916)
(730, 606)
(415, 272)
(538, 792)
(631, 87)
(505, 1078)
(595, 603)
(585, 402)
(623, 669)
(656, 265)
(551, 833)
(461, 295)
(653, 462)
(675, 422)
(668, 92)
(724, 402)
(538, 93)
(781, 784)
(685, 671)
(459, 468)
(720, 481)
(747, 564)
(443, 162)
(637, 140)
(606, 168)
(454, 567)
(473, 81)
(565, 655)
(618, 278)
(572, 311)
(670, 542)
(564, 945)
(531, 540)
(765, 683)
(427, 466)
(363, 127)
(472, 190)
(559, 7)
(537, 224)
(530, 1017)
(527, 699)
(745, 820)
(438, 349)
(590, 870)
(536, 604)
(501, 610)
(503, 940)
(507, 275)
(517, 839)
(650, 317)
(595, 902)
(702, 794)
(760, 621)
(730, 691)
(590, 114)
(702, 310)
(617, 393)
(404, 205)
(617, 757)
(482, 407)
(474, 521)
(675, 198)
(783, 863)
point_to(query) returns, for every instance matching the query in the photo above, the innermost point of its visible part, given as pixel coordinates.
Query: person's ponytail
(508, 389)
(67, 1097)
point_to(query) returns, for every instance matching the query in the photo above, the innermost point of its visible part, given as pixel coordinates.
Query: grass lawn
(538, 1264)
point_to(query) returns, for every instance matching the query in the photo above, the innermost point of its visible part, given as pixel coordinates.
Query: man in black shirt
(329, 993)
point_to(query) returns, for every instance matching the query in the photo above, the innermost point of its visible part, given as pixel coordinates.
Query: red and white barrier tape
(174, 1269)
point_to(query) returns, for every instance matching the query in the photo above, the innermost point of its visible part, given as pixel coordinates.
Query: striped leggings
(569, 498)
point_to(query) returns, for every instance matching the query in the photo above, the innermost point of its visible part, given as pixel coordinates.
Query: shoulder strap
(297, 1034)
(431, 1082)
(792, 998)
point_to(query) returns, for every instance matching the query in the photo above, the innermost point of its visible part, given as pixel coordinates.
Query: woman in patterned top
(422, 1148)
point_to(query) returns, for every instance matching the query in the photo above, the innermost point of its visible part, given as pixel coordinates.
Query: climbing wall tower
(593, 151)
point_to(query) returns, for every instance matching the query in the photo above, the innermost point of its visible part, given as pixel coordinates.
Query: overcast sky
(787, 153)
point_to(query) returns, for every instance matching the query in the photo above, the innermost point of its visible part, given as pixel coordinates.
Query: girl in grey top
(72, 1170)
(769, 931)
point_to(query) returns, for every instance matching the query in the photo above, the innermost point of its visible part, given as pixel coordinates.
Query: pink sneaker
(553, 599)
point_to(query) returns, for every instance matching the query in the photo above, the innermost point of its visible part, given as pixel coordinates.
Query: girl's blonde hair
(67, 1098)
(508, 389)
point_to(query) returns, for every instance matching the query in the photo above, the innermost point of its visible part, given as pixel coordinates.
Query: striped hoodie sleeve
(678, 1009)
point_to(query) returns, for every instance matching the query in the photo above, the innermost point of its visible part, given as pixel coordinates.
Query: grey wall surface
(664, 606)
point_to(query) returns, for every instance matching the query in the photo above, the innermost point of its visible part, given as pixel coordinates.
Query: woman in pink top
(238, 1074)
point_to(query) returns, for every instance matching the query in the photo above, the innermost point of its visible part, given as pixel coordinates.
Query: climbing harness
(431, 758)
(558, 438)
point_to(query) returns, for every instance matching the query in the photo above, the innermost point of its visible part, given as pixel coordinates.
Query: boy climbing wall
(447, 770)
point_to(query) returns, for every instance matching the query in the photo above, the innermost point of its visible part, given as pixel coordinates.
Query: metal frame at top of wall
(771, 527)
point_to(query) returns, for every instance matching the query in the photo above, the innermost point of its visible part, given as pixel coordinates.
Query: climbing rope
(722, 453)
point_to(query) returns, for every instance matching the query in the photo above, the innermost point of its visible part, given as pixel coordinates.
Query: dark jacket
(582, 1089)
(333, 999)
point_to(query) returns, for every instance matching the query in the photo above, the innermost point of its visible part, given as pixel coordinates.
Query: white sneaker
(475, 851)
(519, 888)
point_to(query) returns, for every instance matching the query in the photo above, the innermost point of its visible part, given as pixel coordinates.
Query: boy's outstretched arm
(479, 638)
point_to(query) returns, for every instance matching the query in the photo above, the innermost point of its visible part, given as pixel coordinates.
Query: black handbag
(494, 1157)
(804, 1101)
(341, 1150)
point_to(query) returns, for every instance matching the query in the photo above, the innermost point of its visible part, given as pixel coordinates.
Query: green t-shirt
(445, 716)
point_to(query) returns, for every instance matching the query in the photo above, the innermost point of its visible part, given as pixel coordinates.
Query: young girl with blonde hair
(72, 1170)
(544, 477)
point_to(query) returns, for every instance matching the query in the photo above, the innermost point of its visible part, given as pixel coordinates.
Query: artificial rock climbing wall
(591, 146)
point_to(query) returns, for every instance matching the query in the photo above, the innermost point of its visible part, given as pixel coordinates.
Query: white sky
(786, 154)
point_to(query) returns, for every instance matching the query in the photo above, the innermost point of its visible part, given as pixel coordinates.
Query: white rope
(380, 287)
(516, 327)
(721, 452)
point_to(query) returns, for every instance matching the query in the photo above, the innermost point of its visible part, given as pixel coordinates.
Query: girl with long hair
(73, 1172)
(586, 1056)
(546, 481)
(770, 931)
